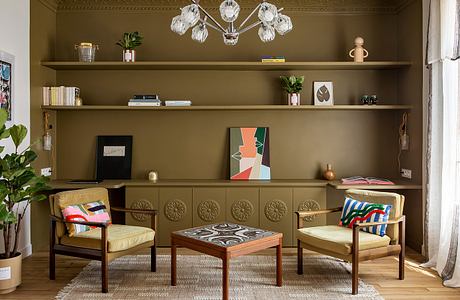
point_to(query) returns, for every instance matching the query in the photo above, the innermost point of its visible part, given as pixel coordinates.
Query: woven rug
(199, 277)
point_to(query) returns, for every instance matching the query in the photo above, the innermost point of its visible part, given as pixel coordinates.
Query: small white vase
(129, 55)
(294, 99)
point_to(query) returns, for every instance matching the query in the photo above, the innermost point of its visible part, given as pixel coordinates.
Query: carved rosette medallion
(241, 210)
(208, 210)
(309, 205)
(275, 210)
(141, 204)
(175, 210)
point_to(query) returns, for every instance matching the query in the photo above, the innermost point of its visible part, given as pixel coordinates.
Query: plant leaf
(18, 134)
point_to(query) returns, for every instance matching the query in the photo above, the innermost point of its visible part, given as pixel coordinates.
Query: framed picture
(249, 153)
(323, 92)
(113, 157)
(6, 83)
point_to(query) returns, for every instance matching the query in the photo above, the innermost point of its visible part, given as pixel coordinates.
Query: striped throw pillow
(355, 211)
(89, 212)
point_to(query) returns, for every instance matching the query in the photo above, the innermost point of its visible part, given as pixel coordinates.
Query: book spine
(46, 95)
(143, 104)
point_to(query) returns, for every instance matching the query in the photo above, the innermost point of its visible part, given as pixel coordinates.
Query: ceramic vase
(329, 174)
(129, 55)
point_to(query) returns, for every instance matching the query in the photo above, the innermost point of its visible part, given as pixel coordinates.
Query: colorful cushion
(355, 211)
(89, 212)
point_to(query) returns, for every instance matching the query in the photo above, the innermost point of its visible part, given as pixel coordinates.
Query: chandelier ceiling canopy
(270, 19)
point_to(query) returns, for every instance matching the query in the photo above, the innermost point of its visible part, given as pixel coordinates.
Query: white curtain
(442, 226)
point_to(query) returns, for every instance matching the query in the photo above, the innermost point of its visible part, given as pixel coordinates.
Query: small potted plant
(19, 187)
(130, 41)
(293, 85)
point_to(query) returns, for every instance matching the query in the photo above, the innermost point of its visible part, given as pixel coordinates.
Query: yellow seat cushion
(119, 237)
(339, 239)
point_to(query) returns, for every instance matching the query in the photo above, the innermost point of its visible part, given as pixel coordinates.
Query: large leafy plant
(19, 185)
(130, 40)
(292, 84)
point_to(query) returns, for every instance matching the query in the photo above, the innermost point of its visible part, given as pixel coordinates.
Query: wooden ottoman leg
(299, 258)
(279, 263)
(225, 278)
(173, 263)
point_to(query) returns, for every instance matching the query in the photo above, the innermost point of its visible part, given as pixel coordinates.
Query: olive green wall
(194, 144)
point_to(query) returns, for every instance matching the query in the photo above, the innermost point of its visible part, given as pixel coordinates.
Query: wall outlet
(406, 173)
(46, 172)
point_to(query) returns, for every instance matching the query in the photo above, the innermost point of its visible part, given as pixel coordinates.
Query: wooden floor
(419, 283)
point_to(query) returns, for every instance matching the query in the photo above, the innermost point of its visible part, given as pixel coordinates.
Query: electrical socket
(46, 172)
(406, 173)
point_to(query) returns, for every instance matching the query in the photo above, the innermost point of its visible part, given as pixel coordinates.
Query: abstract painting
(249, 153)
(6, 82)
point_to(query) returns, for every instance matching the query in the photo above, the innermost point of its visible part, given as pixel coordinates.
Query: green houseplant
(129, 42)
(293, 86)
(19, 187)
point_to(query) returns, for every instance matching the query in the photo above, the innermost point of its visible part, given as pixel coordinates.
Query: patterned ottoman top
(225, 234)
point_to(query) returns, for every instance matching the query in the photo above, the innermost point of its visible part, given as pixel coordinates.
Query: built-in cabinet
(269, 208)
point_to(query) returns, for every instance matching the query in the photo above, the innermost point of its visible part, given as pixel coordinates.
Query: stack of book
(178, 103)
(144, 100)
(365, 180)
(273, 59)
(60, 95)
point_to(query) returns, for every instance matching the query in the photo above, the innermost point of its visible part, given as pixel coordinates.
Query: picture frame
(7, 72)
(323, 93)
(114, 156)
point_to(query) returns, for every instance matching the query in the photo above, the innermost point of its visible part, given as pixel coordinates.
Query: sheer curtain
(442, 227)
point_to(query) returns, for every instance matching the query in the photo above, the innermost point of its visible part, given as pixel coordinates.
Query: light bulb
(231, 39)
(266, 33)
(229, 10)
(283, 24)
(179, 26)
(200, 33)
(190, 14)
(268, 13)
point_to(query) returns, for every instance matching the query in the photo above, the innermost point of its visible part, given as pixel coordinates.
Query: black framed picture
(114, 157)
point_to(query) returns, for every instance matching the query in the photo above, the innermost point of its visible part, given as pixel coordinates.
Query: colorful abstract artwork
(249, 153)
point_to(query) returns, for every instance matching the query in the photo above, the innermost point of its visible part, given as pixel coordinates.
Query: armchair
(104, 242)
(353, 245)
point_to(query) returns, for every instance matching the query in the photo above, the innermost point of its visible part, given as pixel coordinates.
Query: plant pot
(10, 273)
(294, 99)
(129, 55)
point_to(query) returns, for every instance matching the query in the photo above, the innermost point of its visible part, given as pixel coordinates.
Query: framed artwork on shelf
(323, 92)
(249, 153)
(114, 157)
(7, 83)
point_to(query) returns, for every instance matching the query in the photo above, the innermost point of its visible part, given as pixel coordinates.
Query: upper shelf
(225, 65)
(231, 107)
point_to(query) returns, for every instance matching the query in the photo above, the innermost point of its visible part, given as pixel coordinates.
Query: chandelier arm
(210, 25)
(221, 28)
(255, 24)
(248, 17)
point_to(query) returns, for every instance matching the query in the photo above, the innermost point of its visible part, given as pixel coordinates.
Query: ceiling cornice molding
(50, 4)
(307, 6)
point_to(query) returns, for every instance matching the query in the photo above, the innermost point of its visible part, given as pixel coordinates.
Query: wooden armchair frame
(359, 255)
(100, 255)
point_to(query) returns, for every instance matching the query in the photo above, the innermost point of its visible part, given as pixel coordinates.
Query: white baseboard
(26, 251)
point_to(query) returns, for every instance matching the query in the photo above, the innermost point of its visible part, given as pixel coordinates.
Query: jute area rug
(200, 277)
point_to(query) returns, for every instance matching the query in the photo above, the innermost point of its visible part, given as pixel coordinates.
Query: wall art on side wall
(249, 153)
(6, 83)
(323, 93)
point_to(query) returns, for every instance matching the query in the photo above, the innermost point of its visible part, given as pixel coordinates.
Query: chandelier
(270, 19)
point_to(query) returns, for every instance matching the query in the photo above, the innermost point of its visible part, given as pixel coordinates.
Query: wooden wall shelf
(229, 107)
(225, 65)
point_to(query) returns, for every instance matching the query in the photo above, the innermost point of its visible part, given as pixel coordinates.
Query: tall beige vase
(10, 274)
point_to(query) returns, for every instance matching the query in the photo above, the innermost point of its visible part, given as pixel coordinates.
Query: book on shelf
(178, 103)
(366, 180)
(144, 102)
(60, 95)
(145, 97)
(273, 59)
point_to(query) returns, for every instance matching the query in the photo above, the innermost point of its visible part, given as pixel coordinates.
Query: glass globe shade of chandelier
(269, 19)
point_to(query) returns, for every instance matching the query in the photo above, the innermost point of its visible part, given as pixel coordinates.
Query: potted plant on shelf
(293, 85)
(130, 41)
(19, 187)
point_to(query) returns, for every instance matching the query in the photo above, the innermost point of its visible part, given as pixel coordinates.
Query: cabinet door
(243, 206)
(276, 212)
(175, 212)
(140, 198)
(208, 206)
(309, 199)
